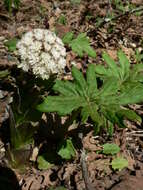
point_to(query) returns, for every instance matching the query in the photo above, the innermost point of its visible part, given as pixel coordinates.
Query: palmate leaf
(79, 45)
(125, 73)
(120, 71)
(101, 103)
(74, 95)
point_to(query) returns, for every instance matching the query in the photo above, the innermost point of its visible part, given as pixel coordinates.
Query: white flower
(38, 34)
(47, 46)
(45, 57)
(59, 41)
(63, 52)
(49, 37)
(23, 52)
(42, 52)
(28, 38)
(62, 62)
(24, 66)
(55, 53)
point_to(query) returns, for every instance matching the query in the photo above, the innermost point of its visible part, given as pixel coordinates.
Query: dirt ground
(123, 31)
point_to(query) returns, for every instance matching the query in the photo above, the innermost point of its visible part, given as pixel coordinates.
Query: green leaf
(129, 114)
(138, 56)
(68, 38)
(91, 111)
(109, 87)
(138, 77)
(16, 3)
(127, 77)
(67, 150)
(89, 50)
(110, 128)
(101, 102)
(66, 88)
(81, 45)
(4, 73)
(119, 163)
(91, 80)
(85, 114)
(137, 68)
(8, 4)
(61, 104)
(11, 44)
(110, 114)
(80, 81)
(20, 136)
(62, 20)
(124, 63)
(121, 71)
(111, 64)
(95, 116)
(43, 164)
(23, 106)
(110, 149)
(102, 71)
(131, 95)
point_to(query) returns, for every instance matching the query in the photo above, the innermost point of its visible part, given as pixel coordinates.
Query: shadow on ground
(8, 179)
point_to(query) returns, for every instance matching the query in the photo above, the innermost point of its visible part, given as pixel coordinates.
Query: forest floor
(109, 29)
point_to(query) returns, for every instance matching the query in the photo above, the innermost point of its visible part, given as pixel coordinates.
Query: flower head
(42, 52)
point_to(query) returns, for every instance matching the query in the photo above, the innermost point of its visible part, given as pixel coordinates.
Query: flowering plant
(42, 52)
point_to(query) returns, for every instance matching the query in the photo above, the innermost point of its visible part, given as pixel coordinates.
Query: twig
(135, 133)
(105, 20)
(5, 16)
(88, 185)
(85, 175)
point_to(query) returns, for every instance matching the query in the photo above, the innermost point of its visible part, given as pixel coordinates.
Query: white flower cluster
(42, 52)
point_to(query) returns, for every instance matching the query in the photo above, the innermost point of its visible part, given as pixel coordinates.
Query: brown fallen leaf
(89, 143)
(130, 183)
(112, 53)
(39, 181)
(62, 29)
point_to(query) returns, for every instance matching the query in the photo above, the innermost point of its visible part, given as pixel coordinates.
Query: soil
(91, 170)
